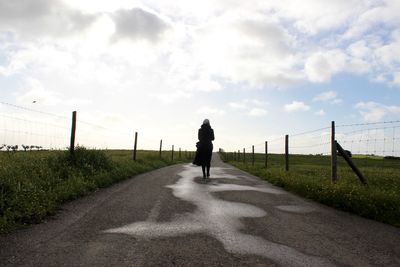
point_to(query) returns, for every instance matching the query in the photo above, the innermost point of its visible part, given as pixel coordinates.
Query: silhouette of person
(204, 148)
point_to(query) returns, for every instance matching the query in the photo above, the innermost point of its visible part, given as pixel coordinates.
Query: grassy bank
(309, 176)
(33, 185)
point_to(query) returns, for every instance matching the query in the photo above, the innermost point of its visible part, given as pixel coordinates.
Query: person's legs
(203, 168)
(209, 163)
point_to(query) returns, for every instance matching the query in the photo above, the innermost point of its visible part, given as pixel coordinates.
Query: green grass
(309, 176)
(33, 185)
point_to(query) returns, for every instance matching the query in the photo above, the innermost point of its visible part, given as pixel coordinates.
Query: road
(171, 217)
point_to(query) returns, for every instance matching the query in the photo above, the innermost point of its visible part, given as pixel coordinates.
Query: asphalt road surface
(171, 217)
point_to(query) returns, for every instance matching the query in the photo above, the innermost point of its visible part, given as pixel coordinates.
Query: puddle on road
(219, 173)
(235, 187)
(296, 208)
(219, 219)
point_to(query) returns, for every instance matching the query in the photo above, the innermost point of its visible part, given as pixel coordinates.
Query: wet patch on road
(296, 208)
(219, 219)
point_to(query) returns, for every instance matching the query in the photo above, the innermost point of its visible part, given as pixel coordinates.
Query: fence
(26, 129)
(380, 139)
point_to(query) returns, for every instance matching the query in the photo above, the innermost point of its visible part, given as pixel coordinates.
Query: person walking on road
(204, 148)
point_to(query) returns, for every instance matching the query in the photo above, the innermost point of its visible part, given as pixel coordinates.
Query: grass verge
(309, 176)
(33, 185)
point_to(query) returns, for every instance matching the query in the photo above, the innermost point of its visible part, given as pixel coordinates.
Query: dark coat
(204, 146)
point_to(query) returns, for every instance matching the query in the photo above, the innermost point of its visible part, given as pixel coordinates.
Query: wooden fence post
(351, 164)
(252, 153)
(287, 151)
(135, 147)
(160, 148)
(239, 155)
(333, 153)
(172, 154)
(73, 131)
(179, 153)
(266, 154)
(244, 155)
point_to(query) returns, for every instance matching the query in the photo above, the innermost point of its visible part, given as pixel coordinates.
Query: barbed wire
(30, 133)
(33, 110)
(313, 145)
(368, 139)
(311, 131)
(33, 122)
(367, 123)
(376, 137)
(363, 130)
(104, 128)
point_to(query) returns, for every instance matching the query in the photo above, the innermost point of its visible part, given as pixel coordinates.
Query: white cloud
(42, 18)
(320, 112)
(359, 49)
(325, 96)
(138, 24)
(257, 112)
(255, 51)
(389, 54)
(337, 101)
(385, 12)
(236, 105)
(240, 44)
(358, 66)
(250, 107)
(328, 96)
(133, 55)
(255, 102)
(296, 106)
(374, 112)
(172, 97)
(204, 85)
(396, 78)
(394, 109)
(99, 6)
(210, 111)
(314, 16)
(321, 66)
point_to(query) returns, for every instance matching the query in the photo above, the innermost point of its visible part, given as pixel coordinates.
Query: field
(309, 176)
(34, 184)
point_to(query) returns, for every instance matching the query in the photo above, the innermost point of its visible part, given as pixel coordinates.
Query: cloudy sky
(256, 69)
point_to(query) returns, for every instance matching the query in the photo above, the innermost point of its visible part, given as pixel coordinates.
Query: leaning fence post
(73, 131)
(239, 155)
(179, 153)
(333, 153)
(244, 155)
(134, 148)
(252, 153)
(351, 164)
(172, 154)
(266, 154)
(160, 148)
(287, 151)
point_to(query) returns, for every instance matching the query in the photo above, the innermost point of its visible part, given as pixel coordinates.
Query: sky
(256, 69)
